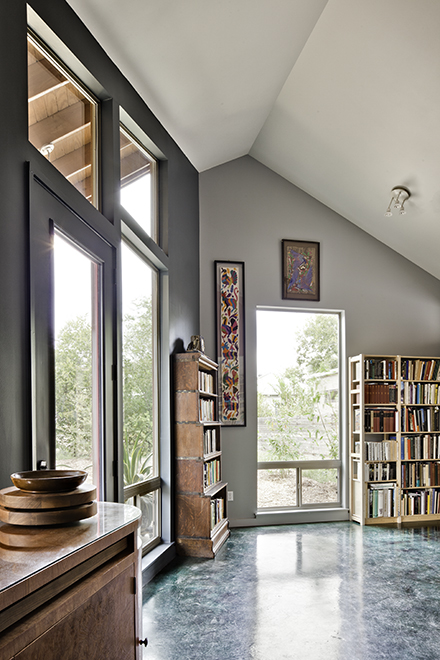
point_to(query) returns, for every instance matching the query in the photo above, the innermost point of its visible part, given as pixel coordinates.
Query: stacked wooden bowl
(47, 497)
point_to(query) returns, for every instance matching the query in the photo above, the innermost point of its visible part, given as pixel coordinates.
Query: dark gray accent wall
(179, 197)
(15, 448)
(391, 305)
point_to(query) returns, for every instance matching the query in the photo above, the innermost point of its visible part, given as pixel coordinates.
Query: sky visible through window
(136, 199)
(276, 339)
(72, 277)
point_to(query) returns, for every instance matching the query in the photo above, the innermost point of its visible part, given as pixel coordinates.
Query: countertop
(23, 569)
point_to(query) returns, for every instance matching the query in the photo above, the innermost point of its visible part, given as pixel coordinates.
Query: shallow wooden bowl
(48, 481)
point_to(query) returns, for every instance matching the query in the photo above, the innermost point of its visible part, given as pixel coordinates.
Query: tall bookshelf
(394, 439)
(201, 494)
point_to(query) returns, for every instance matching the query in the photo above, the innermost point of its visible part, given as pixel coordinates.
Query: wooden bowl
(48, 481)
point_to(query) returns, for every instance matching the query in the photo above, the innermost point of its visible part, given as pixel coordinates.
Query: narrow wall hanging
(300, 270)
(229, 284)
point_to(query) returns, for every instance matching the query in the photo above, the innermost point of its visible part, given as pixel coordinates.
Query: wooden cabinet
(394, 439)
(78, 596)
(201, 494)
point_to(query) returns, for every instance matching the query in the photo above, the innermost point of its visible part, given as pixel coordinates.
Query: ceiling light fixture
(399, 195)
(47, 149)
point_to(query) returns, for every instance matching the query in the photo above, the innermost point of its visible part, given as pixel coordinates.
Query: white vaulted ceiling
(340, 97)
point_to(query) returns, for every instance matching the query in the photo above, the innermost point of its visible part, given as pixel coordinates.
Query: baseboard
(263, 518)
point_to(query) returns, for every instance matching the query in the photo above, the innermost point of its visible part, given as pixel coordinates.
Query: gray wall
(391, 306)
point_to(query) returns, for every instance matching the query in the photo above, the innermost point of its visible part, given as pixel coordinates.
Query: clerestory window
(62, 119)
(139, 182)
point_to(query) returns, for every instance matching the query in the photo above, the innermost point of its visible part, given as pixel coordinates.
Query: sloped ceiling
(340, 97)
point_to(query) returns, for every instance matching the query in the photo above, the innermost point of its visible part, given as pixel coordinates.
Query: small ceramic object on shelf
(197, 343)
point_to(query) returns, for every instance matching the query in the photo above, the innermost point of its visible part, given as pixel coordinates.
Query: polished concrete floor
(333, 591)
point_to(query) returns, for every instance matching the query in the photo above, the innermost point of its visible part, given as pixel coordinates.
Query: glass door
(73, 343)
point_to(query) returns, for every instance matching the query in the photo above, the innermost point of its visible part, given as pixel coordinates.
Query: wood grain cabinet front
(101, 625)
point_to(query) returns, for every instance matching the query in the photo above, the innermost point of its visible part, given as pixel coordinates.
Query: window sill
(155, 560)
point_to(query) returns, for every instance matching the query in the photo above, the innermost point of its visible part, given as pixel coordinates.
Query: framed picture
(230, 324)
(300, 270)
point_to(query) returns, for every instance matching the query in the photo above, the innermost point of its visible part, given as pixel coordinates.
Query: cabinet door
(101, 627)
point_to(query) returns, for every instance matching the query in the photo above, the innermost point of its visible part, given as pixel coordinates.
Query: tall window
(140, 326)
(62, 119)
(298, 409)
(138, 182)
(139, 351)
(77, 315)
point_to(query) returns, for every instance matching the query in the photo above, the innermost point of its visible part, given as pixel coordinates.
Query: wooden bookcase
(394, 439)
(201, 494)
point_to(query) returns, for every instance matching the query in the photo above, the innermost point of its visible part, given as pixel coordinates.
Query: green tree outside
(73, 383)
(318, 344)
(138, 392)
(301, 415)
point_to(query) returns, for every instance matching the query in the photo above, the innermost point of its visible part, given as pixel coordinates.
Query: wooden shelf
(215, 488)
(201, 511)
(208, 457)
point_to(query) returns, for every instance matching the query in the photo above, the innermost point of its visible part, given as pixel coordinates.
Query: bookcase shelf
(201, 494)
(394, 439)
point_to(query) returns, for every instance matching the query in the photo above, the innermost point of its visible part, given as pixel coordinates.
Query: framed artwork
(230, 324)
(300, 270)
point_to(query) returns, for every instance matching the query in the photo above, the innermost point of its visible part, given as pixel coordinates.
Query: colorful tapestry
(231, 348)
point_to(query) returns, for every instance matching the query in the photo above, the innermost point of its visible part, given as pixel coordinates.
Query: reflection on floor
(302, 592)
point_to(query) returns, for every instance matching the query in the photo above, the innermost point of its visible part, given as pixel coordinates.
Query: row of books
(420, 419)
(385, 450)
(382, 501)
(209, 441)
(414, 447)
(420, 503)
(415, 369)
(419, 475)
(380, 420)
(217, 510)
(211, 473)
(206, 382)
(383, 369)
(380, 393)
(421, 393)
(380, 471)
(207, 410)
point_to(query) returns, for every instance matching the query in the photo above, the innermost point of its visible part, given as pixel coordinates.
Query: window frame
(339, 464)
(64, 69)
(154, 187)
(154, 483)
(147, 248)
(109, 221)
(48, 211)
